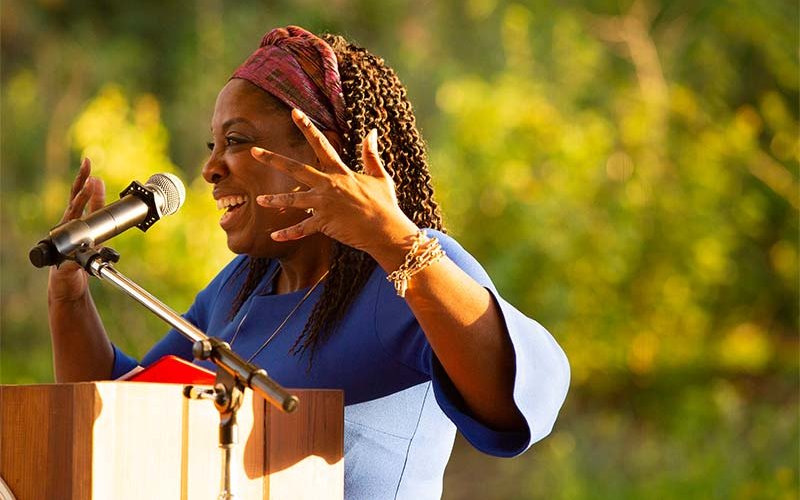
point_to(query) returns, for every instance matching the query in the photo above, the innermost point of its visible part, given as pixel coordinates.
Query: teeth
(229, 201)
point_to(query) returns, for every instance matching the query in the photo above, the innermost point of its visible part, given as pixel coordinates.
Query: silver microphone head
(171, 191)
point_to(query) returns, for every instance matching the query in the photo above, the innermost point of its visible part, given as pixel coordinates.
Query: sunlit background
(627, 173)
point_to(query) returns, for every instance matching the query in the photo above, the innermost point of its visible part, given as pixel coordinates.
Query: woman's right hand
(68, 282)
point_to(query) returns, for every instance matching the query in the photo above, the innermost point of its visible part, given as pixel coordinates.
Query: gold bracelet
(424, 252)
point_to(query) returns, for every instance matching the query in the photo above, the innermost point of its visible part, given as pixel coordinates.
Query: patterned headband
(300, 69)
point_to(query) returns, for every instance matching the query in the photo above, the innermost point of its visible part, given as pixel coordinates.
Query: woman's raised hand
(357, 209)
(67, 281)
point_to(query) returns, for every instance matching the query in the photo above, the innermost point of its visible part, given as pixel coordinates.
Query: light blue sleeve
(540, 383)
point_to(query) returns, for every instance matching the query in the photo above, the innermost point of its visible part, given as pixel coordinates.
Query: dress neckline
(267, 286)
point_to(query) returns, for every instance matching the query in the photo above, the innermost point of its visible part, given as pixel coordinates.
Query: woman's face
(246, 116)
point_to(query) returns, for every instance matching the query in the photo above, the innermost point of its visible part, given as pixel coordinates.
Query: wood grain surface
(129, 440)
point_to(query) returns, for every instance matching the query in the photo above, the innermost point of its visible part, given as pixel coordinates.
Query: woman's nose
(215, 169)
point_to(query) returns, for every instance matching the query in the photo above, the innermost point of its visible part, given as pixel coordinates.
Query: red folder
(175, 370)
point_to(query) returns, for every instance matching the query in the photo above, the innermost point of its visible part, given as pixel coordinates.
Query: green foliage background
(627, 172)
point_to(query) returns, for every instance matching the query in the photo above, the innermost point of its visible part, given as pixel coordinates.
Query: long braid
(256, 269)
(374, 98)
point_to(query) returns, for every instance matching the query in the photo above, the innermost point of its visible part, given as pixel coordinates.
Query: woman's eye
(229, 141)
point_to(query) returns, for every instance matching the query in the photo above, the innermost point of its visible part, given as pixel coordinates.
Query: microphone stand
(233, 372)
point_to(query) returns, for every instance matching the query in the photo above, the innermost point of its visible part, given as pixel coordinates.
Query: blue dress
(401, 410)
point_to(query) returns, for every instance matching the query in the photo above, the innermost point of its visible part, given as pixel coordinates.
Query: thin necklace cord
(285, 320)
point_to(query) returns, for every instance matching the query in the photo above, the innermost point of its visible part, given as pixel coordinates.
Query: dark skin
(458, 315)
(245, 116)
(258, 164)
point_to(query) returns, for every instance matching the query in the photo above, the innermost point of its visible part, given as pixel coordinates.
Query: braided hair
(374, 98)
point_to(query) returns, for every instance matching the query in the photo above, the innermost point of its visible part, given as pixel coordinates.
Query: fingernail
(263, 198)
(256, 151)
(373, 139)
(300, 115)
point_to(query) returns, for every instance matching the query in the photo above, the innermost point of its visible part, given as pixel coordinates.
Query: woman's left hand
(357, 209)
(458, 315)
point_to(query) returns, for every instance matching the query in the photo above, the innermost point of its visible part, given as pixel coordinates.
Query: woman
(322, 174)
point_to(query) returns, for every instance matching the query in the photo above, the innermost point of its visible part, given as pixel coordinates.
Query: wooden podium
(133, 440)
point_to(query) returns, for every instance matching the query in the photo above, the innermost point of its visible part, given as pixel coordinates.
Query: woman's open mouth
(232, 206)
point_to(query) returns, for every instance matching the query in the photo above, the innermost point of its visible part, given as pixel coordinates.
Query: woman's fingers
(80, 179)
(299, 171)
(342, 203)
(298, 199)
(98, 197)
(319, 143)
(78, 202)
(86, 191)
(371, 156)
(299, 230)
(301, 200)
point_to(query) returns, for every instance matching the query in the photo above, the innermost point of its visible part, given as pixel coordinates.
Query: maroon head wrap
(300, 69)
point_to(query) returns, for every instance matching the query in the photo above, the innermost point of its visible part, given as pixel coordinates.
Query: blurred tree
(632, 168)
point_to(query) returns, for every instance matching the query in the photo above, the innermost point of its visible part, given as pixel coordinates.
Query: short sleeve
(174, 343)
(542, 371)
(124, 365)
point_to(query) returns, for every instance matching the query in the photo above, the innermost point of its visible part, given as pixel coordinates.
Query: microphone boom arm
(98, 263)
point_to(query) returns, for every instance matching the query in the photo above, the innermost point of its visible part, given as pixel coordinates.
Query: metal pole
(233, 372)
(105, 270)
(225, 492)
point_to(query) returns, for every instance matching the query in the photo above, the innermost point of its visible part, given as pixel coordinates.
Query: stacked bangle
(424, 252)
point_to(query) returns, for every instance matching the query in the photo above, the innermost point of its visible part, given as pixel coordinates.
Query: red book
(174, 370)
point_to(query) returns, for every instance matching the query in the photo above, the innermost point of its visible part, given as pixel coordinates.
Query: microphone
(139, 205)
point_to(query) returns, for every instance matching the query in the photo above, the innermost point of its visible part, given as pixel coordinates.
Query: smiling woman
(345, 277)
(246, 116)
